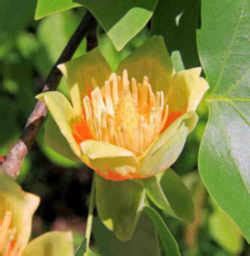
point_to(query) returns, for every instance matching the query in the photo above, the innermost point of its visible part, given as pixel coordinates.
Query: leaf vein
(228, 52)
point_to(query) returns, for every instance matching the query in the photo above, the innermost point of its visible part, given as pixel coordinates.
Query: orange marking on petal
(114, 176)
(171, 118)
(10, 248)
(81, 131)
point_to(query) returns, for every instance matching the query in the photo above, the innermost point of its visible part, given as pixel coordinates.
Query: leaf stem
(90, 214)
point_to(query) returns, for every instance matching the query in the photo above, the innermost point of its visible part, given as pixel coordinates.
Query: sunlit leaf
(48, 7)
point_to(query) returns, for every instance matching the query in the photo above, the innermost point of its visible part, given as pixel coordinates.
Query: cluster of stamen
(9, 244)
(125, 112)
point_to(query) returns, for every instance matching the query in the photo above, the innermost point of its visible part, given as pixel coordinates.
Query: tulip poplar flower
(16, 211)
(131, 123)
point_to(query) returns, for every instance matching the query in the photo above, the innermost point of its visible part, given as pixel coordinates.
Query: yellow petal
(167, 148)
(151, 60)
(186, 90)
(21, 206)
(63, 114)
(105, 157)
(84, 73)
(51, 244)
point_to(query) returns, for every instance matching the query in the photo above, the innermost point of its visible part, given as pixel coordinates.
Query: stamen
(108, 99)
(115, 95)
(4, 229)
(125, 81)
(125, 112)
(134, 91)
(9, 243)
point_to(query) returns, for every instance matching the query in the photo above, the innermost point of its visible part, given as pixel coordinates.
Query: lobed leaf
(224, 153)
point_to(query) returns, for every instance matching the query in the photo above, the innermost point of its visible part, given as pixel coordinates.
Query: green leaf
(119, 205)
(21, 10)
(224, 153)
(177, 21)
(111, 55)
(168, 242)
(144, 241)
(225, 232)
(177, 61)
(156, 195)
(54, 40)
(178, 195)
(81, 250)
(48, 7)
(168, 192)
(121, 20)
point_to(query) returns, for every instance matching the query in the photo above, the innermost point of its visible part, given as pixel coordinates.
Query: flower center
(9, 245)
(125, 112)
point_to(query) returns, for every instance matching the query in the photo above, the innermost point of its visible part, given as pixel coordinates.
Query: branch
(12, 162)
